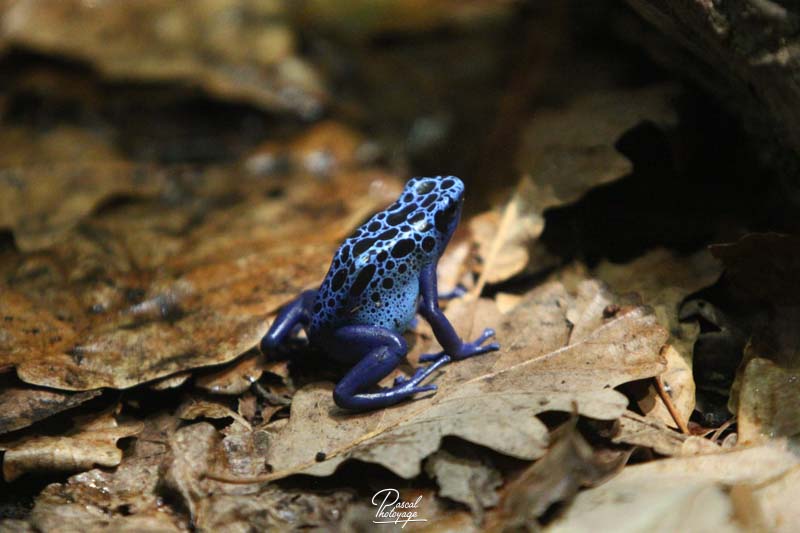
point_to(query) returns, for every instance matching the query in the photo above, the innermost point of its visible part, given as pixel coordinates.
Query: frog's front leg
(378, 352)
(442, 328)
(457, 292)
(292, 316)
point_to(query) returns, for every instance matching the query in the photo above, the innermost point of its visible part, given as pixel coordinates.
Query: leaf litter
(548, 363)
(161, 279)
(91, 442)
(97, 318)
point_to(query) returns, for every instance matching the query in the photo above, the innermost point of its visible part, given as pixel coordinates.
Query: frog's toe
(400, 380)
(477, 347)
(487, 334)
(424, 371)
(491, 347)
(424, 388)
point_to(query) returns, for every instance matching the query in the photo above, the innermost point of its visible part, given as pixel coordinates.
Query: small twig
(718, 432)
(673, 411)
(510, 214)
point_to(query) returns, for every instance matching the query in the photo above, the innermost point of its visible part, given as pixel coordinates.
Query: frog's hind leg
(294, 315)
(378, 351)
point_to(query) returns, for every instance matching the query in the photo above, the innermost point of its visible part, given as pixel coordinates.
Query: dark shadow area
(691, 187)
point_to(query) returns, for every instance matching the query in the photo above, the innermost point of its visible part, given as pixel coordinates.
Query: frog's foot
(294, 316)
(468, 349)
(422, 372)
(382, 351)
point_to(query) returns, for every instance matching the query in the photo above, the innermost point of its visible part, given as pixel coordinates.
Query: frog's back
(374, 276)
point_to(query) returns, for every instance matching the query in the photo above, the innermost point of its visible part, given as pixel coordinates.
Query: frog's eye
(444, 218)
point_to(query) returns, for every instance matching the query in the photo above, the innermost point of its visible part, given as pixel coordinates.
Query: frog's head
(441, 197)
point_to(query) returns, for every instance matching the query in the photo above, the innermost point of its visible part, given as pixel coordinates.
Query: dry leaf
(568, 465)
(651, 432)
(244, 449)
(92, 443)
(92, 313)
(21, 406)
(194, 408)
(504, 239)
(237, 50)
(569, 151)
(272, 509)
(492, 400)
(193, 449)
(664, 279)
(466, 480)
(125, 499)
(769, 402)
(778, 501)
(678, 494)
(239, 508)
(171, 382)
(764, 269)
(49, 182)
(766, 395)
(76, 518)
(236, 378)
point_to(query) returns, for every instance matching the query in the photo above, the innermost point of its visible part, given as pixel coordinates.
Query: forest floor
(171, 176)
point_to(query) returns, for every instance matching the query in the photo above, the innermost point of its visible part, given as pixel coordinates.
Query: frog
(380, 279)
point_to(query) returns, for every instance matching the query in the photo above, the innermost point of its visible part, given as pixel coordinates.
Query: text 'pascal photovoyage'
(391, 510)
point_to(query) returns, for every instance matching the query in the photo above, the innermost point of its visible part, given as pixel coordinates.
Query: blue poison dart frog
(380, 278)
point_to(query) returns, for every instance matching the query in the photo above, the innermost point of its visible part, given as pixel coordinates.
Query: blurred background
(479, 89)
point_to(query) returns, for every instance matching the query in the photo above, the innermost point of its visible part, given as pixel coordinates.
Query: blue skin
(380, 278)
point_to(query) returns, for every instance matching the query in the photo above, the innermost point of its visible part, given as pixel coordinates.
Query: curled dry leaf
(492, 400)
(193, 449)
(564, 154)
(235, 378)
(120, 302)
(569, 151)
(92, 443)
(663, 280)
(236, 50)
(568, 465)
(21, 406)
(83, 518)
(651, 432)
(764, 269)
(194, 408)
(214, 507)
(172, 382)
(126, 498)
(686, 494)
(244, 449)
(769, 401)
(766, 395)
(678, 384)
(466, 480)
